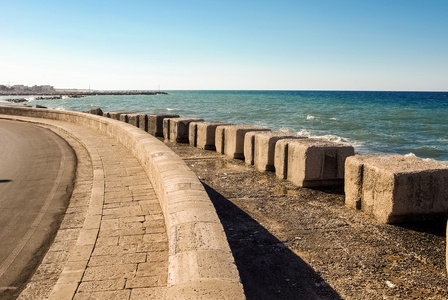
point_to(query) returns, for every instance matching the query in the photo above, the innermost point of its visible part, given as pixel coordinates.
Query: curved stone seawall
(200, 259)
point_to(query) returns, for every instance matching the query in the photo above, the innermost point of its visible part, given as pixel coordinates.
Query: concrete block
(106, 114)
(124, 118)
(281, 158)
(155, 124)
(115, 115)
(259, 148)
(177, 129)
(143, 122)
(229, 139)
(202, 134)
(312, 162)
(395, 188)
(133, 119)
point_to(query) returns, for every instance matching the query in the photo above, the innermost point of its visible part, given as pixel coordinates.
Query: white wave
(304, 132)
(310, 117)
(331, 138)
(60, 108)
(333, 118)
(30, 99)
(65, 97)
(170, 109)
(412, 155)
(287, 130)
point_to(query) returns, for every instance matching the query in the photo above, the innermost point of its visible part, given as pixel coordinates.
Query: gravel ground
(298, 243)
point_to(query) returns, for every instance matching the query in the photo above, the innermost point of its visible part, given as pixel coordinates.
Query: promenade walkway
(112, 243)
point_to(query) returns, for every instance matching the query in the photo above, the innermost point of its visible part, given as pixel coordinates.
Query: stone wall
(200, 258)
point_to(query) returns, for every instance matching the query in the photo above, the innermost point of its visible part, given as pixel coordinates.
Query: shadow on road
(268, 269)
(4, 180)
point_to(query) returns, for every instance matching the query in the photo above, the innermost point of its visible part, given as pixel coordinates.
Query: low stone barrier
(395, 188)
(200, 260)
(177, 129)
(115, 115)
(143, 122)
(155, 123)
(124, 118)
(133, 119)
(202, 134)
(311, 162)
(259, 148)
(229, 139)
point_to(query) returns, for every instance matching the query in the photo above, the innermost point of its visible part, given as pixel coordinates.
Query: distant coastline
(47, 90)
(74, 93)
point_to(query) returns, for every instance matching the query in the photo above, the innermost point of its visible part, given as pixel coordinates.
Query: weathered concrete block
(264, 149)
(395, 188)
(229, 139)
(143, 122)
(155, 124)
(259, 148)
(202, 134)
(106, 114)
(281, 158)
(124, 118)
(94, 111)
(115, 115)
(311, 162)
(133, 119)
(177, 129)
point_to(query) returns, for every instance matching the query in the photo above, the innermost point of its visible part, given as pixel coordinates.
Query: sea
(407, 123)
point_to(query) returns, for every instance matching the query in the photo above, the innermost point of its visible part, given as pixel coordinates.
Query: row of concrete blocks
(392, 188)
(151, 123)
(305, 162)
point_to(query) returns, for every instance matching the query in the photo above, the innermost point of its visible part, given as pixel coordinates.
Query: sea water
(408, 123)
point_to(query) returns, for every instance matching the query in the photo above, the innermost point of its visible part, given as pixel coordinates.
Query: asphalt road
(37, 171)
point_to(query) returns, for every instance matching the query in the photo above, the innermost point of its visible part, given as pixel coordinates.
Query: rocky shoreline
(75, 94)
(72, 94)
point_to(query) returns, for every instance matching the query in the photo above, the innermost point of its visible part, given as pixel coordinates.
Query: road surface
(37, 169)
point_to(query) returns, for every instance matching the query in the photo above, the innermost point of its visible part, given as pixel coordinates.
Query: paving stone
(153, 293)
(152, 268)
(114, 250)
(152, 246)
(142, 282)
(110, 272)
(103, 285)
(105, 295)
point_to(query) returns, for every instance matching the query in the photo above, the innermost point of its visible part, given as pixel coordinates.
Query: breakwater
(391, 188)
(309, 162)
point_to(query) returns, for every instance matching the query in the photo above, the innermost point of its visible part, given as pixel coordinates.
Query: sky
(393, 45)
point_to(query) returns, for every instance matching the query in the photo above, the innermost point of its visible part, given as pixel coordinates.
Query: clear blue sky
(210, 44)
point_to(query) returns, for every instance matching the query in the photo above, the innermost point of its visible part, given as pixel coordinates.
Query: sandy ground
(297, 243)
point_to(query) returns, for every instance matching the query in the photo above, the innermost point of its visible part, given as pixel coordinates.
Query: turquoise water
(374, 122)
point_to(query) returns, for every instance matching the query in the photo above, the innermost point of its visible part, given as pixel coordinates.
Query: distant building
(47, 88)
(19, 88)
